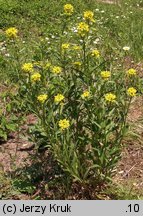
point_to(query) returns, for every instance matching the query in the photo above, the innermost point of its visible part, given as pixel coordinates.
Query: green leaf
(11, 127)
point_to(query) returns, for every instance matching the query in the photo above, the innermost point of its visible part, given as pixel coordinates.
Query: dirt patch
(136, 110)
(130, 168)
(15, 152)
(11, 157)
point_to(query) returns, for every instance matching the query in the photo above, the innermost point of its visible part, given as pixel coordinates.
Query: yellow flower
(35, 77)
(95, 53)
(131, 92)
(85, 94)
(42, 98)
(68, 9)
(63, 124)
(83, 29)
(47, 66)
(27, 67)
(88, 15)
(77, 64)
(65, 46)
(11, 32)
(59, 98)
(110, 97)
(131, 72)
(105, 74)
(56, 69)
(76, 47)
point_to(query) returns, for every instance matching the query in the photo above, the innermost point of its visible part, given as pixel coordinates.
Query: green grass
(117, 25)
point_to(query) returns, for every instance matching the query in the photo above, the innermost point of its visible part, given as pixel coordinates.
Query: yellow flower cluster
(132, 92)
(27, 67)
(131, 72)
(95, 53)
(63, 124)
(42, 98)
(83, 28)
(77, 64)
(110, 97)
(59, 98)
(68, 9)
(35, 77)
(56, 69)
(47, 65)
(105, 74)
(85, 94)
(65, 46)
(11, 32)
(88, 16)
(76, 47)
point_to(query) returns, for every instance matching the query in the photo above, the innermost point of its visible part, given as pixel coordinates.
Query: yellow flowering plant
(83, 29)
(27, 67)
(68, 9)
(95, 53)
(11, 32)
(132, 92)
(131, 72)
(105, 74)
(81, 117)
(88, 16)
(59, 98)
(35, 77)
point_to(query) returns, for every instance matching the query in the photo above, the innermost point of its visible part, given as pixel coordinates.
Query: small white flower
(3, 48)
(89, 37)
(7, 55)
(126, 48)
(74, 29)
(96, 41)
(96, 9)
